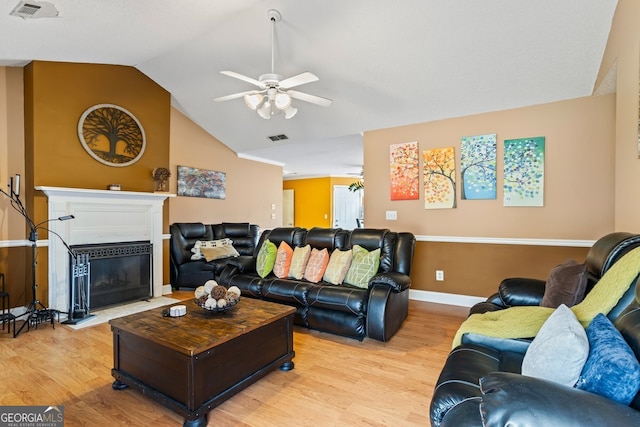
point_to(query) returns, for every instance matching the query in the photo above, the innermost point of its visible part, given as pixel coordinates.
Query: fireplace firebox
(120, 272)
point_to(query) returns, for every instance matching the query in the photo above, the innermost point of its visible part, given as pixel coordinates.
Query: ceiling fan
(274, 94)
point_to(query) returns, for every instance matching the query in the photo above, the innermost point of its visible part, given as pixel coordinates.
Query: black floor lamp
(36, 312)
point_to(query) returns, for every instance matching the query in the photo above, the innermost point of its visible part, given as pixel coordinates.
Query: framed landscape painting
(194, 182)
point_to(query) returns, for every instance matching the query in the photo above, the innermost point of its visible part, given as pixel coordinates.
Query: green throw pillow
(266, 258)
(364, 265)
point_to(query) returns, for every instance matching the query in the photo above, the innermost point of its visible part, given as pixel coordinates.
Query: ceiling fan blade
(243, 78)
(325, 102)
(298, 80)
(236, 95)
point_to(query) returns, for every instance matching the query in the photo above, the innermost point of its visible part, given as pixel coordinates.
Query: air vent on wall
(32, 10)
(275, 138)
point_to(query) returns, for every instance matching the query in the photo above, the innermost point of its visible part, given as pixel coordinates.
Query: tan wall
(578, 199)
(579, 173)
(251, 187)
(623, 51)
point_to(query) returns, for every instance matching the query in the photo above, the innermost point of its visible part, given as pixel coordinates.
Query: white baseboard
(445, 298)
(167, 289)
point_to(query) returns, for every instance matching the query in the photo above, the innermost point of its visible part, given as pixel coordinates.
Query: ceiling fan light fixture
(253, 100)
(283, 100)
(265, 110)
(289, 112)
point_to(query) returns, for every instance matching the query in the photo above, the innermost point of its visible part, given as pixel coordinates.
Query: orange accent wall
(313, 199)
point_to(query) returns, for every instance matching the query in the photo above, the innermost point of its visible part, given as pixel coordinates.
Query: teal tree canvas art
(524, 172)
(478, 167)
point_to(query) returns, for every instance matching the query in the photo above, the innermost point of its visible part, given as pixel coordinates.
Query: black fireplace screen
(120, 272)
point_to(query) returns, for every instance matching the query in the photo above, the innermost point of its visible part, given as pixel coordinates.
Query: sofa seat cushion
(249, 284)
(460, 377)
(285, 290)
(347, 299)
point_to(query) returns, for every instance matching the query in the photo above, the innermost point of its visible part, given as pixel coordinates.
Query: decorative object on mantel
(194, 182)
(111, 135)
(160, 178)
(114, 187)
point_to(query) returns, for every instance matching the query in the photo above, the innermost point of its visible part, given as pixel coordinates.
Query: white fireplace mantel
(100, 216)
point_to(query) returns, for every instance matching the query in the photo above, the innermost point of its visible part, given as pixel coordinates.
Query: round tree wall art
(111, 135)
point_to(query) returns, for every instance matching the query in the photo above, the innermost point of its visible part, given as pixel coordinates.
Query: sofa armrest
(518, 291)
(516, 345)
(397, 281)
(512, 399)
(244, 263)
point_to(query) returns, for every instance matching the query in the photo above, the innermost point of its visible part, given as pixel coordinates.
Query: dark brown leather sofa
(376, 312)
(188, 273)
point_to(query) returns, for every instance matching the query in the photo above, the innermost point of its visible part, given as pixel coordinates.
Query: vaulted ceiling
(383, 63)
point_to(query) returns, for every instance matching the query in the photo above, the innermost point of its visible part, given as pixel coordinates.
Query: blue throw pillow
(612, 369)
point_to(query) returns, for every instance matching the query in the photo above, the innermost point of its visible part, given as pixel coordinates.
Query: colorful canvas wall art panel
(524, 172)
(478, 167)
(405, 172)
(194, 182)
(439, 175)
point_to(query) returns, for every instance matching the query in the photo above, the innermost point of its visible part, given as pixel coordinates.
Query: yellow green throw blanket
(526, 321)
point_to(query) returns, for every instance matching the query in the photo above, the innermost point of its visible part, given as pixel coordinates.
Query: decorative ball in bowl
(216, 298)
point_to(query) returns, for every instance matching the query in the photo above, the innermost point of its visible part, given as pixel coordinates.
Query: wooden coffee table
(191, 364)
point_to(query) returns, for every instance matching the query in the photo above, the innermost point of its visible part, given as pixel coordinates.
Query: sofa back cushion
(293, 236)
(327, 238)
(192, 230)
(372, 239)
(244, 235)
(184, 236)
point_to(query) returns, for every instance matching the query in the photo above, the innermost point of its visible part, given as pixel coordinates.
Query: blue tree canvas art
(524, 172)
(478, 167)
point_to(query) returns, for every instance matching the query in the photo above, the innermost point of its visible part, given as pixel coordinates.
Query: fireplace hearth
(119, 272)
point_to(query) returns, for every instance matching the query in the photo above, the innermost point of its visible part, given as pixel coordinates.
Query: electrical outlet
(391, 215)
(440, 275)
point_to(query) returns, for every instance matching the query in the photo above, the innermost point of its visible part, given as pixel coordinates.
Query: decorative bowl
(217, 309)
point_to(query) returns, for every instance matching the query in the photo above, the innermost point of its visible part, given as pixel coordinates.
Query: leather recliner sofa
(376, 312)
(188, 273)
(485, 372)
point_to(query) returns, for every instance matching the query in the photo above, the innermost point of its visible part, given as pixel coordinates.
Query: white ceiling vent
(32, 10)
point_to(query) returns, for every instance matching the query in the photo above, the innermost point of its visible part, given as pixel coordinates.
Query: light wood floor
(336, 381)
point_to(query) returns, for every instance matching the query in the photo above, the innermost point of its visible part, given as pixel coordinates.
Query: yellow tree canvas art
(405, 172)
(439, 174)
